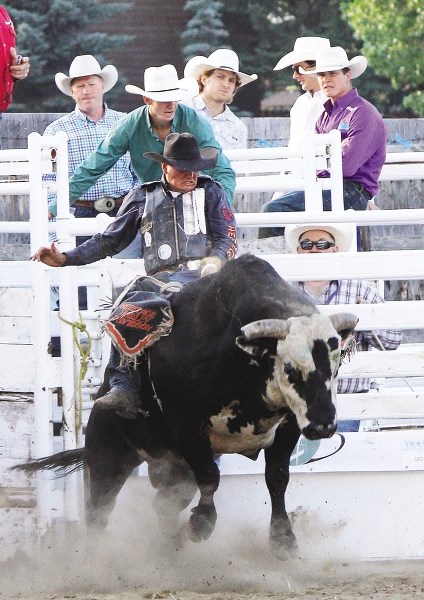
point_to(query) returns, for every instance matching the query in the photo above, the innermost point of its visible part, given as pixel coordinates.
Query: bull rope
(81, 327)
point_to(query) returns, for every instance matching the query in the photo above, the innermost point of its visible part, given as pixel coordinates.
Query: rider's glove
(209, 265)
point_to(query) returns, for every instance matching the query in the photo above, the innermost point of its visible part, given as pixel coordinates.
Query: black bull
(250, 364)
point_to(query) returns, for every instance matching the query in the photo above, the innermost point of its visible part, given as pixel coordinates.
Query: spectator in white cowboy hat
(86, 126)
(307, 108)
(326, 239)
(146, 128)
(362, 130)
(219, 77)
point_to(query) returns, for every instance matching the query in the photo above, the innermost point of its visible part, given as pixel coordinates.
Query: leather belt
(90, 203)
(186, 265)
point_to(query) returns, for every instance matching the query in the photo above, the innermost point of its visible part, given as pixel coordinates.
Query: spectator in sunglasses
(308, 107)
(313, 239)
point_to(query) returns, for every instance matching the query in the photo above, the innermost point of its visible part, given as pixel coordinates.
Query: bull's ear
(256, 348)
(344, 323)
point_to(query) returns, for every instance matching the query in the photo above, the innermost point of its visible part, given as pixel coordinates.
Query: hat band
(225, 67)
(167, 90)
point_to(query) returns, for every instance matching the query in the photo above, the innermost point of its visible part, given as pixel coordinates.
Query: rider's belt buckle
(104, 204)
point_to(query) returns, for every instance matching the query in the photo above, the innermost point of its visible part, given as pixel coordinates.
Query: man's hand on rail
(50, 256)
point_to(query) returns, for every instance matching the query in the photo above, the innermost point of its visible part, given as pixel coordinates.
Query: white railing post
(313, 191)
(337, 204)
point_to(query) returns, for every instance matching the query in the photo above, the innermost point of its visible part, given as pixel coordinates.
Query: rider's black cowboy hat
(182, 151)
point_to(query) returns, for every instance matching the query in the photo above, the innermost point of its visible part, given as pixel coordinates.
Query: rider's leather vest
(173, 231)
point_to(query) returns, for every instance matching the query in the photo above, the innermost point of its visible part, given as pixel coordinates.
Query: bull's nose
(318, 432)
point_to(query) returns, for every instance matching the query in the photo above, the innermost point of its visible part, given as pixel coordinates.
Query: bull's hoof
(284, 549)
(201, 523)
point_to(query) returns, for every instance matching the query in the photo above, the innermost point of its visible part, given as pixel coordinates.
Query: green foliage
(392, 36)
(52, 33)
(205, 30)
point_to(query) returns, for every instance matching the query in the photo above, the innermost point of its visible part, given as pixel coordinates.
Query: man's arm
(223, 173)
(382, 339)
(108, 152)
(364, 136)
(221, 223)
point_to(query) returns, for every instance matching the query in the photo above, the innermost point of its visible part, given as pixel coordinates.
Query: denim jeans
(127, 379)
(354, 196)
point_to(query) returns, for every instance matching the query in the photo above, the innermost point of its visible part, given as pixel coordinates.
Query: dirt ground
(132, 561)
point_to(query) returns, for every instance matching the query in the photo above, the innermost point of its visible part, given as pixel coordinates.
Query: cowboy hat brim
(357, 66)
(305, 49)
(187, 88)
(199, 68)
(341, 232)
(109, 74)
(207, 160)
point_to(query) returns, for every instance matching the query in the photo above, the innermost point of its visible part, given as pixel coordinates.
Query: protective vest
(173, 229)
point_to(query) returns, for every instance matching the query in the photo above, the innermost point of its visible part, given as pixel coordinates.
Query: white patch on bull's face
(248, 441)
(294, 364)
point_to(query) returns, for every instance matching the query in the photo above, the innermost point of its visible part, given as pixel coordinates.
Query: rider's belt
(105, 204)
(185, 265)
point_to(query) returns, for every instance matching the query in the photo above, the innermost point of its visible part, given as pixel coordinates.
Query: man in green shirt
(145, 130)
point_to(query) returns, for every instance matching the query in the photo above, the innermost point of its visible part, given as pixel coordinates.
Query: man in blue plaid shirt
(86, 126)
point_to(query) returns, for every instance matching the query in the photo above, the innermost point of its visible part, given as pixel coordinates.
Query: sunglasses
(297, 67)
(319, 244)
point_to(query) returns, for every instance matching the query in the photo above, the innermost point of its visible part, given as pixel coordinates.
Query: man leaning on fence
(145, 130)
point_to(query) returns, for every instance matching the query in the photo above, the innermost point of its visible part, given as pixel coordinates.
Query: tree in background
(205, 30)
(52, 33)
(392, 36)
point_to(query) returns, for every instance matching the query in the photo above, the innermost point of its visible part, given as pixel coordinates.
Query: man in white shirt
(307, 108)
(219, 77)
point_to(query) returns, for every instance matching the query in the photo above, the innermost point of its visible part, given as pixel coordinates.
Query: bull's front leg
(277, 460)
(197, 453)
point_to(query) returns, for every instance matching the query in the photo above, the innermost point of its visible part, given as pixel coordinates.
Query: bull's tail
(62, 463)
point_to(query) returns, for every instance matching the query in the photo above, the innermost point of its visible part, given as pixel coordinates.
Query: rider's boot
(124, 396)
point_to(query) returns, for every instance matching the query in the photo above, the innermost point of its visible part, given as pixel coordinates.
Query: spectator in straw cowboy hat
(362, 131)
(145, 130)
(219, 77)
(327, 239)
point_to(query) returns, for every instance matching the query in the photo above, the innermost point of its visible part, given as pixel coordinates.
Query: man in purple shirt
(362, 131)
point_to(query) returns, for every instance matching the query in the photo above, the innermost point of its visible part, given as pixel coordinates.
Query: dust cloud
(131, 559)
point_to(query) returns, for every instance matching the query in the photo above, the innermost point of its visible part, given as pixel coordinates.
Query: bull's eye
(292, 373)
(333, 343)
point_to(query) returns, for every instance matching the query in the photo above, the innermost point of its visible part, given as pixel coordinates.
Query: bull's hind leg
(176, 486)
(110, 460)
(277, 460)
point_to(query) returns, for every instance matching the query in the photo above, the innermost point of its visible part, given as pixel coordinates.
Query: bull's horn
(273, 328)
(344, 321)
